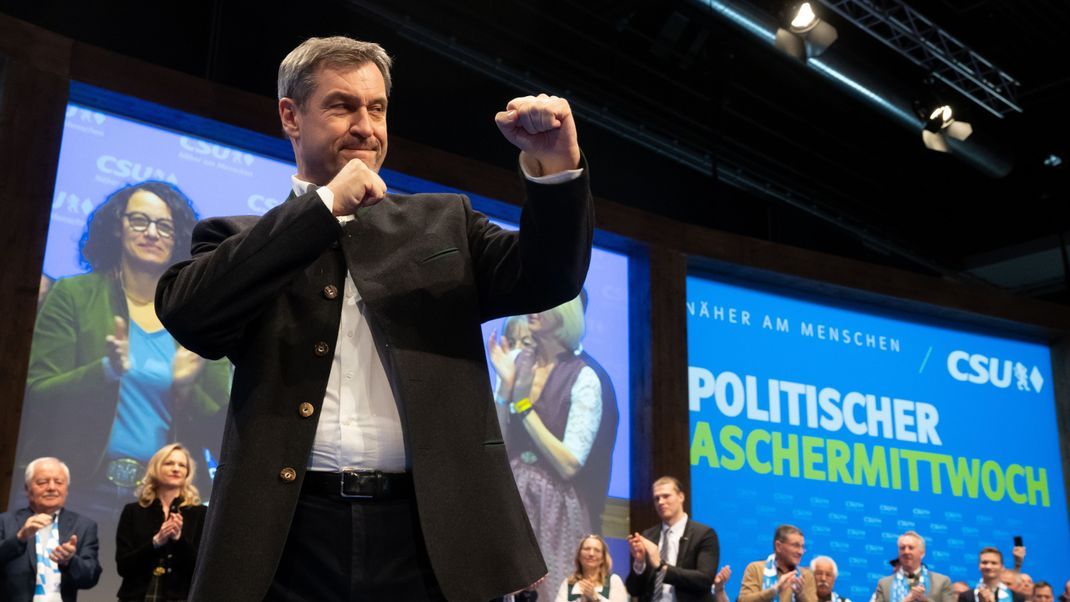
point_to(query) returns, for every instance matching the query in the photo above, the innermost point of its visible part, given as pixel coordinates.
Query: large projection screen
(857, 424)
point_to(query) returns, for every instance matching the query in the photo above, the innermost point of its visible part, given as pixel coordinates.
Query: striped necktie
(659, 577)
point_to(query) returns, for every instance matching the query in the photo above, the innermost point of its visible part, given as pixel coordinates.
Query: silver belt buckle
(357, 474)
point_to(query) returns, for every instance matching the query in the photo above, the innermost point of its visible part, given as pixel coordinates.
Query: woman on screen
(105, 378)
(593, 580)
(560, 423)
(156, 541)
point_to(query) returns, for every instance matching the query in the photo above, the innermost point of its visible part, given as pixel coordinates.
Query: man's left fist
(543, 129)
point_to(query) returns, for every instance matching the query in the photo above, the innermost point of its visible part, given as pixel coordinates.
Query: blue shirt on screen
(144, 414)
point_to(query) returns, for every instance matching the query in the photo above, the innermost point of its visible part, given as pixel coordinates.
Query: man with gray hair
(47, 553)
(362, 457)
(825, 572)
(912, 581)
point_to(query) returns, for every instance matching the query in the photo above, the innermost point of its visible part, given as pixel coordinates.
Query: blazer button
(288, 474)
(321, 349)
(330, 291)
(306, 409)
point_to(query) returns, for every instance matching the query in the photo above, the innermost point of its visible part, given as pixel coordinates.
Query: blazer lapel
(685, 542)
(66, 525)
(31, 546)
(653, 534)
(370, 261)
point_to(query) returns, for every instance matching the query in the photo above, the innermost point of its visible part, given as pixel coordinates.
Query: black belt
(360, 484)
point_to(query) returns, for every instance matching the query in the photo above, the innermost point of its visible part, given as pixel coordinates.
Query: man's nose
(362, 123)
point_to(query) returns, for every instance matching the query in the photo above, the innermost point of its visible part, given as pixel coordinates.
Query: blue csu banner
(856, 425)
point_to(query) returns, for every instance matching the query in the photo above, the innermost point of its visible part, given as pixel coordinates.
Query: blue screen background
(858, 525)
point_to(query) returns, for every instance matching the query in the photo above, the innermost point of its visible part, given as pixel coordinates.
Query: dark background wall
(860, 186)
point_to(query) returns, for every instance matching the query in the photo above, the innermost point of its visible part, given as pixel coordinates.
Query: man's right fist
(356, 185)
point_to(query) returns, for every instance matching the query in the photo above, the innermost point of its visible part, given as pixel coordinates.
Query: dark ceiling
(824, 170)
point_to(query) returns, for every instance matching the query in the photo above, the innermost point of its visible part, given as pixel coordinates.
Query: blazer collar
(685, 540)
(66, 524)
(685, 537)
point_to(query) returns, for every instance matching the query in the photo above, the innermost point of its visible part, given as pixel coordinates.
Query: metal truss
(912, 35)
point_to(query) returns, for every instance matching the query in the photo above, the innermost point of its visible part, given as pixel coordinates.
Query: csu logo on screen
(982, 369)
(125, 168)
(221, 153)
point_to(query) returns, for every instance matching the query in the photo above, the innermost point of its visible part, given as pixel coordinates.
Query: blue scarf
(769, 575)
(901, 586)
(47, 585)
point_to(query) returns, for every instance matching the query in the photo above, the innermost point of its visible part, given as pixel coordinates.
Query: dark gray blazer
(692, 575)
(939, 589)
(265, 293)
(18, 563)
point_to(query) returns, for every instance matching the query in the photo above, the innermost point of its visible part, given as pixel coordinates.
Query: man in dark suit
(362, 457)
(991, 588)
(680, 566)
(38, 556)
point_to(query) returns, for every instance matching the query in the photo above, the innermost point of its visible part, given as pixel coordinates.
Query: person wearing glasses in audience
(102, 367)
(780, 576)
(157, 538)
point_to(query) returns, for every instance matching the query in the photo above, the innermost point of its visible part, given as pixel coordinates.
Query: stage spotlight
(805, 35)
(940, 123)
(805, 17)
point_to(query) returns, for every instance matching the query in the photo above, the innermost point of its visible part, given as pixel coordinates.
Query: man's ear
(288, 111)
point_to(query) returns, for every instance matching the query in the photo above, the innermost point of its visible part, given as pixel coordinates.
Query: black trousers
(354, 550)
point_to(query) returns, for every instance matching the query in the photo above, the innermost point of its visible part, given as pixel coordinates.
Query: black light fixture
(940, 124)
(803, 33)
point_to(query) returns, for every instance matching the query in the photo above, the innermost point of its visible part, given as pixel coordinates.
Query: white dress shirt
(360, 424)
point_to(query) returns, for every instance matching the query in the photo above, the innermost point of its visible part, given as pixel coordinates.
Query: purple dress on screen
(562, 510)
